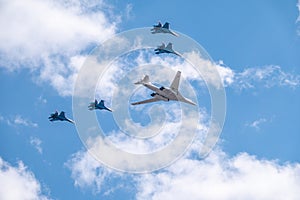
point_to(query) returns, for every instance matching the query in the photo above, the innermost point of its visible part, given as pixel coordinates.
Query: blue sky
(255, 46)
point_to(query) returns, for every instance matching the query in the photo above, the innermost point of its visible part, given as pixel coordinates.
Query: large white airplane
(162, 29)
(162, 93)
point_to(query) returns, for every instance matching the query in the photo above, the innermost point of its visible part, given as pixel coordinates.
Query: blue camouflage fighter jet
(59, 117)
(95, 105)
(166, 49)
(162, 29)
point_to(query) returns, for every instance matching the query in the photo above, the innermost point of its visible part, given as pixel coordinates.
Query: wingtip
(177, 54)
(175, 34)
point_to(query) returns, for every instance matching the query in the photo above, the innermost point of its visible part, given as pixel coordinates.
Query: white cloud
(222, 177)
(214, 74)
(266, 76)
(87, 172)
(42, 100)
(257, 123)
(218, 73)
(164, 133)
(19, 183)
(180, 125)
(218, 176)
(263, 76)
(48, 37)
(226, 74)
(128, 11)
(33, 28)
(19, 120)
(2, 118)
(36, 143)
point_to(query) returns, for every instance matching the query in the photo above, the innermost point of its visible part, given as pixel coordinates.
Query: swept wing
(154, 99)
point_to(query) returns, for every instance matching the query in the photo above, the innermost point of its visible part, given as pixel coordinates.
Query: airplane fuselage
(101, 107)
(57, 118)
(159, 51)
(163, 51)
(162, 30)
(167, 94)
(60, 118)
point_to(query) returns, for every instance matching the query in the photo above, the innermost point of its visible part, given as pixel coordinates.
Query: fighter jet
(166, 49)
(162, 29)
(100, 106)
(162, 93)
(59, 117)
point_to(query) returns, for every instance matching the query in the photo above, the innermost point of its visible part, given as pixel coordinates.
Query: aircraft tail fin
(146, 79)
(62, 114)
(101, 103)
(166, 25)
(169, 46)
(175, 84)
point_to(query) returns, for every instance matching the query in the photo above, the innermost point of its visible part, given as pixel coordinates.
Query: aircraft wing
(176, 53)
(69, 120)
(173, 33)
(154, 99)
(175, 84)
(108, 109)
